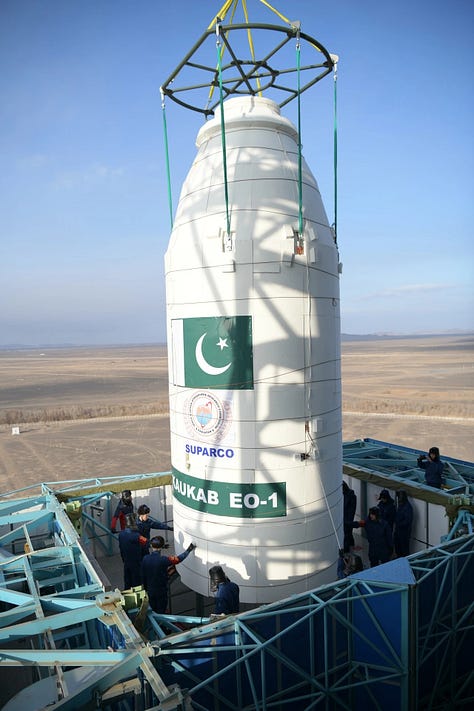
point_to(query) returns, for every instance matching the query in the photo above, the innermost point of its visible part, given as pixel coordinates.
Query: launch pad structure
(397, 636)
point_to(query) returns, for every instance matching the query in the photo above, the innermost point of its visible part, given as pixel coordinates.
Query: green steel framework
(399, 636)
(193, 81)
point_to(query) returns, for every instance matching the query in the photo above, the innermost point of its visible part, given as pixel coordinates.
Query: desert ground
(103, 411)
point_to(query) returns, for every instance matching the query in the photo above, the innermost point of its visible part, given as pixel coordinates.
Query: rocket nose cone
(248, 106)
(247, 111)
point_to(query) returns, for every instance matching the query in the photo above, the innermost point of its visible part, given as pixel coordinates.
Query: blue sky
(84, 220)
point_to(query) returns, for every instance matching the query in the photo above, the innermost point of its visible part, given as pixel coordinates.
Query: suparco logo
(208, 416)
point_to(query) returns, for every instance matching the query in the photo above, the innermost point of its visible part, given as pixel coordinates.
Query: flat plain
(103, 411)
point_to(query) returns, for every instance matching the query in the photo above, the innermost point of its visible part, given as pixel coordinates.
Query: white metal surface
(254, 363)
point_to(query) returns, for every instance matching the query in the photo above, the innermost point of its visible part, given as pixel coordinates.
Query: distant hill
(345, 337)
(70, 346)
(400, 336)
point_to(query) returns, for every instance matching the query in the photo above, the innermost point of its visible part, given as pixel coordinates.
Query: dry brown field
(95, 412)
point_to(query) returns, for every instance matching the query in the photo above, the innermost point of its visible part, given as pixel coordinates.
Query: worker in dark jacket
(145, 523)
(124, 507)
(379, 537)
(131, 544)
(387, 508)
(350, 503)
(226, 592)
(433, 467)
(403, 523)
(348, 564)
(154, 570)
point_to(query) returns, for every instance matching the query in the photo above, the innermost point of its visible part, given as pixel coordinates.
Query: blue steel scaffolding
(399, 464)
(399, 636)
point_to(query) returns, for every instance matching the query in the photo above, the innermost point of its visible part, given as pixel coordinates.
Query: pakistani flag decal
(213, 352)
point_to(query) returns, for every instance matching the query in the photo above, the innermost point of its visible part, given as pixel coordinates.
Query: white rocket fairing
(254, 362)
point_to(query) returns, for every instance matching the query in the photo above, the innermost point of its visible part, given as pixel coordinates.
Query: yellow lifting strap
(250, 39)
(222, 12)
(282, 17)
(225, 8)
(221, 16)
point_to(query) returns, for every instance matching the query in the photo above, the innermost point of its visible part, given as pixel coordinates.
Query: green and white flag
(213, 352)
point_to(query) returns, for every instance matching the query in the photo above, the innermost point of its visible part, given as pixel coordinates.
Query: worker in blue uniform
(154, 571)
(130, 545)
(433, 467)
(403, 524)
(124, 508)
(350, 504)
(226, 592)
(379, 537)
(347, 564)
(387, 508)
(145, 523)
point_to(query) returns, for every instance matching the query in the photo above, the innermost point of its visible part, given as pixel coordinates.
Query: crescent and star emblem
(202, 362)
